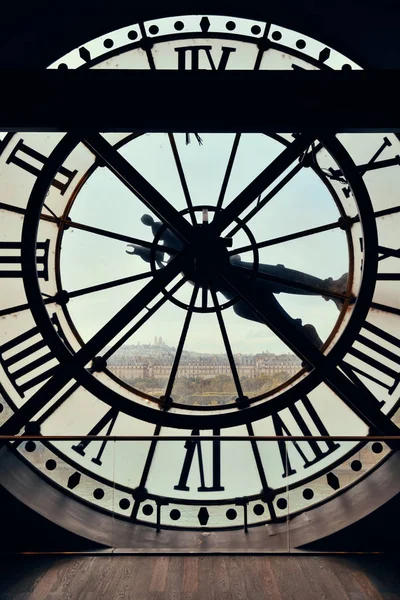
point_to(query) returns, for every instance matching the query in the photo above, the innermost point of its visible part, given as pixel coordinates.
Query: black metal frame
(102, 101)
(162, 417)
(309, 354)
(29, 230)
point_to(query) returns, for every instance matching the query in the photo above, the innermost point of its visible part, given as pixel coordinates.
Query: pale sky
(104, 202)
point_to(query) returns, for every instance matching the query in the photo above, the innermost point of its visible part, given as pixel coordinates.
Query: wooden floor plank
(237, 577)
(200, 578)
(322, 578)
(207, 582)
(253, 573)
(174, 578)
(125, 585)
(159, 575)
(190, 579)
(271, 588)
(353, 580)
(221, 577)
(57, 581)
(142, 575)
(382, 572)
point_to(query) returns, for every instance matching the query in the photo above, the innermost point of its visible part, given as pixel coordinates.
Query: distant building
(150, 365)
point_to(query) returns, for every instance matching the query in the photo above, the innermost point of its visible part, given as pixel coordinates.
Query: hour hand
(280, 279)
(264, 292)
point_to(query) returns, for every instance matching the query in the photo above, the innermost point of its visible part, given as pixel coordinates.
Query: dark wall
(36, 33)
(378, 532)
(25, 530)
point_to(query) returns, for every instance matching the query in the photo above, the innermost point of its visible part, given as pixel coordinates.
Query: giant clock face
(199, 284)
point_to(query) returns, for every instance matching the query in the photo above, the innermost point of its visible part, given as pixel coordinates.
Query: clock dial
(200, 284)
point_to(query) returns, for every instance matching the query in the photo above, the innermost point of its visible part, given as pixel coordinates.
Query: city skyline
(168, 347)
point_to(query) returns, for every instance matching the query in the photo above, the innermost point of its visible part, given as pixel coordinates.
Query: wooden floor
(200, 578)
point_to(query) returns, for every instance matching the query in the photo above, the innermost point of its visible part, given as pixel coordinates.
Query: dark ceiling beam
(240, 101)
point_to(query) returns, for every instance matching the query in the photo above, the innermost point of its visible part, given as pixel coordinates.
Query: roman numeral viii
(375, 367)
(309, 451)
(24, 368)
(32, 161)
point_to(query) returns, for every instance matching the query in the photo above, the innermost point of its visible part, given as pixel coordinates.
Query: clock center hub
(208, 253)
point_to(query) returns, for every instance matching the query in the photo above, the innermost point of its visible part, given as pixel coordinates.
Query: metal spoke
(289, 237)
(67, 222)
(13, 309)
(262, 181)
(120, 237)
(362, 402)
(227, 345)
(228, 172)
(145, 473)
(57, 403)
(160, 279)
(137, 184)
(64, 372)
(178, 354)
(182, 178)
(279, 186)
(268, 492)
(81, 292)
(109, 284)
(97, 231)
(146, 317)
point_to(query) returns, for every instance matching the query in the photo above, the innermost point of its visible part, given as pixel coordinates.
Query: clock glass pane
(200, 284)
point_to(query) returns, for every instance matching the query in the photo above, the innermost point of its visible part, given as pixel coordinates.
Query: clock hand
(172, 243)
(67, 370)
(145, 254)
(181, 174)
(228, 171)
(290, 281)
(275, 278)
(262, 181)
(362, 402)
(136, 183)
(263, 288)
(341, 223)
(167, 236)
(110, 234)
(280, 279)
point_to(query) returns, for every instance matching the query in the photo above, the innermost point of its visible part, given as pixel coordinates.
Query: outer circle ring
(210, 420)
(226, 304)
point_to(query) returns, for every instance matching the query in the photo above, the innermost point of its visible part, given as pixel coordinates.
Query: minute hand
(260, 183)
(361, 401)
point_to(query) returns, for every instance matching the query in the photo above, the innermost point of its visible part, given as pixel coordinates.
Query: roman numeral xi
(32, 161)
